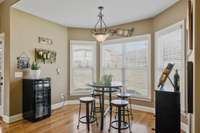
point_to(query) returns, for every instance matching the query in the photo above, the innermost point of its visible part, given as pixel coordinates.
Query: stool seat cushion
(119, 102)
(87, 99)
(95, 94)
(124, 95)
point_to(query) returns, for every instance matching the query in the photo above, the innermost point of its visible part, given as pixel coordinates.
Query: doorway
(2, 37)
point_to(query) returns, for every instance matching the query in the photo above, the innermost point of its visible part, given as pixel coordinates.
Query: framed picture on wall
(23, 61)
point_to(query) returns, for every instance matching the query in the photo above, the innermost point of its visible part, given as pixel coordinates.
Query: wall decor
(190, 24)
(43, 40)
(122, 32)
(23, 61)
(45, 56)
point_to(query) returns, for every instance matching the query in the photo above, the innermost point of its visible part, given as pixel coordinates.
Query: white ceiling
(83, 13)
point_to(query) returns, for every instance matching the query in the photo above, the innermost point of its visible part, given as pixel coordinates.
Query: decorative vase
(107, 79)
(35, 74)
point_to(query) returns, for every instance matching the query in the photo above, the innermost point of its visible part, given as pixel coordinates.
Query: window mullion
(123, 64)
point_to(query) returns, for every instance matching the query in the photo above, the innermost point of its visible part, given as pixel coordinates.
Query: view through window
(170, 47)
(82, 66)
(128, 61)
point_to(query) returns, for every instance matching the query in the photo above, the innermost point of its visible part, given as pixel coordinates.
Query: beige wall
(140, 27)
(170, 16)
(5, 28)
(1, 15)
(80, 34)
(25, 30)
(197, 68)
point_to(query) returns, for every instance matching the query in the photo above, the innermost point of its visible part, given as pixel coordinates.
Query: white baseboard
(61, 104)
(56, 106)
(143, 108)
(71, 102)
(11, 119)
(184, 127)
(17, 117)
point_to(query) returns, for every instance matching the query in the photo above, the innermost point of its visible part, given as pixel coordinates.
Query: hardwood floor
(64, 120)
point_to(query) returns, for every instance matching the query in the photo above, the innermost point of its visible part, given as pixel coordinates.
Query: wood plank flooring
(64, 120)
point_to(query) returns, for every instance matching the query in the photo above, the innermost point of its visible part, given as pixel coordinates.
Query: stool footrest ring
(124, 125)
(83, 119)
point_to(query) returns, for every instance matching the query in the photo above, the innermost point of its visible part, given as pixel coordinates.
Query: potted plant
(107, 79)
(35, 70)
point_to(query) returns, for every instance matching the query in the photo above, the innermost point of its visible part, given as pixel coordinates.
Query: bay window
(82, 66)
(128, 61)
(170, 48)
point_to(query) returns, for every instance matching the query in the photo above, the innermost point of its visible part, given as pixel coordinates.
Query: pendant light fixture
(101, 31)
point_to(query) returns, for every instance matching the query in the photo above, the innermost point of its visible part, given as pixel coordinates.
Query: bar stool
(88, 118)
(96, 95)
(126, 96)
(120, 124)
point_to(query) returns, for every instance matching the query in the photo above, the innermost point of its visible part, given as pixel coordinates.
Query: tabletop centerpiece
(106, 79)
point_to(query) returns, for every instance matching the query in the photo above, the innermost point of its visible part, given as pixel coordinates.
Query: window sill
(142, 99)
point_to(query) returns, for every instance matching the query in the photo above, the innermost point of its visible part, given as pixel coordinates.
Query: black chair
(120, 124)
(89, 117)
(126, 96)
(96, 96)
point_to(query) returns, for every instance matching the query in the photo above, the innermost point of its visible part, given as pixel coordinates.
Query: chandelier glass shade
(100, 31)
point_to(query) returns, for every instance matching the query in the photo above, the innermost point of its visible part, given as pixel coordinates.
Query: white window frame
(134, 38)
(74, 42)
(2, 38)
(164, 31)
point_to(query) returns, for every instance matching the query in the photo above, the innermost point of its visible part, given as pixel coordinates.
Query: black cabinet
(36, 99)
(167, 112)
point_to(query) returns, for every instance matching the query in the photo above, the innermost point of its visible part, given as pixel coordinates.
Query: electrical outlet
(62, 96)
(58, 71)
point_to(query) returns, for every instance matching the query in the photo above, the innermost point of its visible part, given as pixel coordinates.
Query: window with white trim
(170, 48)
(128, 61)
(82, 66)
